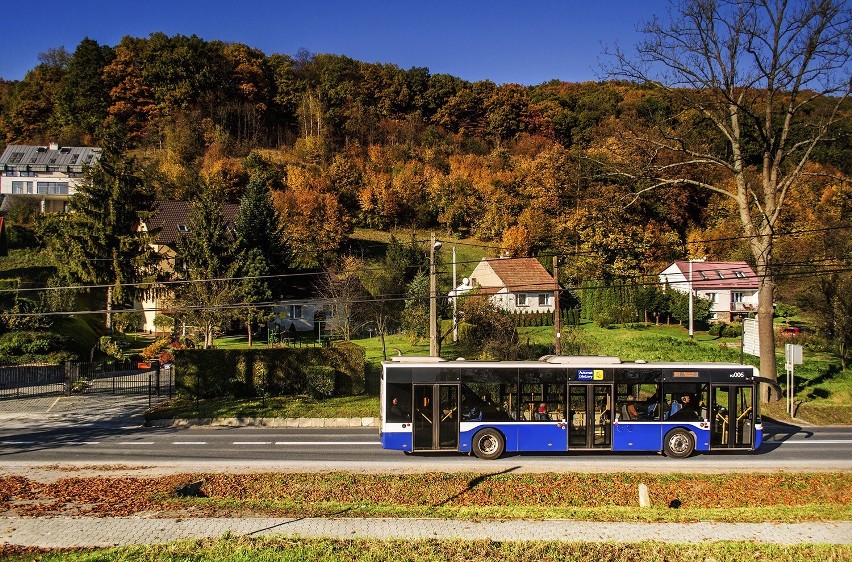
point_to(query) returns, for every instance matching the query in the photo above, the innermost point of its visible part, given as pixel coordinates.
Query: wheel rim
(488, 444)
(679, 443)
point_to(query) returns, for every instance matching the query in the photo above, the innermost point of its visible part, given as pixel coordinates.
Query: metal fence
(66, 379)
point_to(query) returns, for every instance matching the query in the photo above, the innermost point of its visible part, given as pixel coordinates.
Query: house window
(739, 274)
(52, 188)
(522, 299)
(703, 275)
(736, 298)
(296, 311)
(182, 228)
(544, 299)
(21, 187)
(10, 172)
(719, 273)
(16, 158)
(711, 297)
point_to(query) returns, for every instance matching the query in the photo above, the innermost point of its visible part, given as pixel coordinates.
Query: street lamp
(433, 296)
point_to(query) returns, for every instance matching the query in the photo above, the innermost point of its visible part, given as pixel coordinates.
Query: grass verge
(259, 549)
(361, 406)
(472, 496)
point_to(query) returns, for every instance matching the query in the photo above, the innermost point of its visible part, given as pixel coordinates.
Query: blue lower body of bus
(548, 436)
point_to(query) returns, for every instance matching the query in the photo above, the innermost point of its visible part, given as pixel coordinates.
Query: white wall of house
(725, 302)
(44, 177)
(520, 302)
(301, 316)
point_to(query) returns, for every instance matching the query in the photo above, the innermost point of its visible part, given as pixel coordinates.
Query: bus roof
(550, 360)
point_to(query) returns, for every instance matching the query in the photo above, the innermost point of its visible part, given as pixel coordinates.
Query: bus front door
(731, 417)
(589, 416)
(436, 417)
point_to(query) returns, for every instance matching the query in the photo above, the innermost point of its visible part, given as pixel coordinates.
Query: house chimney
(54, 146)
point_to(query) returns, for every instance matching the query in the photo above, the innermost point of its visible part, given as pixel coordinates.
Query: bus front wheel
(679, 444)
(488, 444)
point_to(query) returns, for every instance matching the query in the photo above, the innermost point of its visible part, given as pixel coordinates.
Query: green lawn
(361, 406)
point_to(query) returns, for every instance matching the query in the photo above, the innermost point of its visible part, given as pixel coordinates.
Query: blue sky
(526, 42)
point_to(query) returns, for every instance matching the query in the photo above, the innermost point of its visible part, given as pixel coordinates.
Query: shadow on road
(776, 432)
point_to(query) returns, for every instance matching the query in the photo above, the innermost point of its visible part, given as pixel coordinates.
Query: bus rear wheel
(679, 444)
(488, 444)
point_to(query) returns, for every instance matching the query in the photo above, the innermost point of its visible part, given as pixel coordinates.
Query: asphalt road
(785, 447)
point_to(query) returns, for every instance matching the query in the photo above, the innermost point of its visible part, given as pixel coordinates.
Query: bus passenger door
(590, 414)
(436, 417)
(731, 417)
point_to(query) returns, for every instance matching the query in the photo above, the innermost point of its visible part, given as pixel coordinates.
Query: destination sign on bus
(590, 374)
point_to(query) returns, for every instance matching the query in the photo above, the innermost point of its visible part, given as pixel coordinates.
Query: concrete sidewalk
(67, 532)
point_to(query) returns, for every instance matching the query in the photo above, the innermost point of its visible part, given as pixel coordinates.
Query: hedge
(211, 373)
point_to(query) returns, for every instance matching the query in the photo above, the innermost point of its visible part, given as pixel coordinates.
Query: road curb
(266, 422)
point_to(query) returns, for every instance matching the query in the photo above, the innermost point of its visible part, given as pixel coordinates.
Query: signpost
(792, 357)
(751, 338)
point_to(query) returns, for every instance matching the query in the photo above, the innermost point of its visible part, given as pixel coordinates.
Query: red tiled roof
(719, 274)
(522, 274)
(169, 215)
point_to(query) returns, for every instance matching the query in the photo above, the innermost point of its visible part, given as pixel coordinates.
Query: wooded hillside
(346, 143)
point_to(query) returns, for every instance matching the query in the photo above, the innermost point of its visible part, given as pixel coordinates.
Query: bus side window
(398, 407)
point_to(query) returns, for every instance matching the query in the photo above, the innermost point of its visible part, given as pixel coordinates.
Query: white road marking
(17, 443)
(252, 443)
(816, 441)
(189, 443)
(136, 443)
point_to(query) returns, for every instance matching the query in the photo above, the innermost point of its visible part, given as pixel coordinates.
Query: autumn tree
(758, 86)
(829, 300)
(31, 113)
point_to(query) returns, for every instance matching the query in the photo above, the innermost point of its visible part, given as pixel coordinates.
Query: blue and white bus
(563, 403)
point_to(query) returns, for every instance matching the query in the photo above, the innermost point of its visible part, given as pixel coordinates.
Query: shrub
(723, 330)
(320, 380)
(153, 350)
(109, 346)
(251, 372)
(26, 347)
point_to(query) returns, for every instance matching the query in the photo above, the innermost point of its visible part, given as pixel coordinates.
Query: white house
(47, 175)
(513, 284)
(731, 287)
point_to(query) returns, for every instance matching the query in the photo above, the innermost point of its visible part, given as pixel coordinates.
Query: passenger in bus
(632, 412)
(673, 409)
(541, 412)
(470, 412)
(396, 413)
(687, 410)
